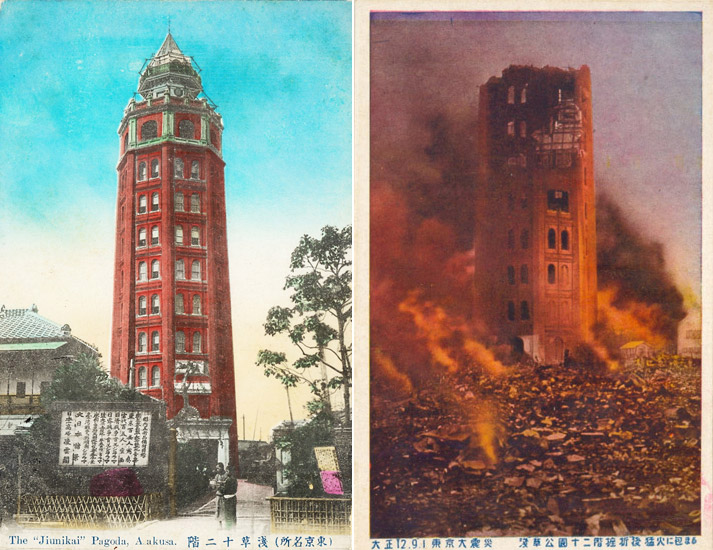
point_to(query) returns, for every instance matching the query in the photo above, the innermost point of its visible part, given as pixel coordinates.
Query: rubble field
(543, 450)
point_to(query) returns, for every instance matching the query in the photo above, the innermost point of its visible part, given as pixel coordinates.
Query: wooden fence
(311, 515)
(88, 511)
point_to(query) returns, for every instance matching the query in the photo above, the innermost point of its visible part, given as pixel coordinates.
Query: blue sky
(280, 73)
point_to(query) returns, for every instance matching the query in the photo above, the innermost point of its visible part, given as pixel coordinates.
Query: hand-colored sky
(280, 73)
(646, 95)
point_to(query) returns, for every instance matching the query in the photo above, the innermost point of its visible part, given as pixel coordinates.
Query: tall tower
(171, 287)
(535, 234)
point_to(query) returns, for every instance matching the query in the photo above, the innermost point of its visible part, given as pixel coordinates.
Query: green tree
(318, 322)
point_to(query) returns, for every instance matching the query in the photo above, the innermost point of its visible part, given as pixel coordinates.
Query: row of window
(186, 130)
(524, 274)
(154, 203)
(179, 205)
(141, 236)
(195, 235)
(180, 270)
(21, 388)
(142, 342)
(511, 95)
(524, 239)
(156, 304)
(552, 274)
(522, 126)
(179, 169)
(551, 239)
(155, 377)
(524, 311)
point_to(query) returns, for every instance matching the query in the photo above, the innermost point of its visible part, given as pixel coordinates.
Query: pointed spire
(170, 72)
(169, 51)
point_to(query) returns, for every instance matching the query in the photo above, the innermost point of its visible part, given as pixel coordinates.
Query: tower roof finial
(169, 24)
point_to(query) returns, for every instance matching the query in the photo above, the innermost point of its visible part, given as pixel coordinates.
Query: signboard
(326, 458)
(91, 438)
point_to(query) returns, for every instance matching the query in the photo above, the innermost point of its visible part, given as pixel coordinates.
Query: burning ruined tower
(171, 287)
(535, 236)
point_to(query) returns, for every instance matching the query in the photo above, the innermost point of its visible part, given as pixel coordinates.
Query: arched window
(196, 305)
(142, 342)
(142, 377)
(196, 342)
(186, 129)
(195, 236)
(565, 240)
(178, 202)
(511, 311)
(154, 202)
(142, 271)
(155, 273)
(154, 235)
(154, 168)
(179, 303)
(195, 202)
(126, 141)
(524, 310)
(523, 95)
(142, 204)
(511, 128)
(524, 274)
(142, 236)
(196, 270)
(155, 304)
(551, 238)
(523, 129)
(142, 305)
(511, 238)
(155, 376)
(525, 239)
(178, 168)
(149, 130)
(180, 342)
(511, 94)
(142, 171)
(195, 170)
(551, 274)
(214, 138)
(179, 234)
(180, 269)
(154, 341)
(511, 275)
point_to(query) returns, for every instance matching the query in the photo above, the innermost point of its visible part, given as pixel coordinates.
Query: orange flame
(634, 322)
(435, 326)
(394, 377)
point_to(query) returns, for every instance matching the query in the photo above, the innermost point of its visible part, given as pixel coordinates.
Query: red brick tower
(535, 235)
(171, 286)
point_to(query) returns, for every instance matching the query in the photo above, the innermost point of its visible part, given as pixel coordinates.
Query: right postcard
(535, 279)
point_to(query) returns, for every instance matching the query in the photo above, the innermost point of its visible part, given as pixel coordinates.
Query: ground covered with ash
(578, 453)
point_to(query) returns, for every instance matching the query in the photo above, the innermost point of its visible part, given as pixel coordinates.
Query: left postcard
(176, 280)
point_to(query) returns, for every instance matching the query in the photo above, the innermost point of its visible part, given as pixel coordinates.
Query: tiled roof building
(31, 348)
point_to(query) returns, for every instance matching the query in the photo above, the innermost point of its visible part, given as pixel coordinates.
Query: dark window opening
(558, 200)
(551, 238)
(511, 275)
(511, 311)
(186, 129)
(20, 389)
(524, 274)
(565, 240)
(149, 130)
(551, 274)
(524, 310)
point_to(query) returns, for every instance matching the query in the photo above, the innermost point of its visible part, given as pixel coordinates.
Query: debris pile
(579, 453)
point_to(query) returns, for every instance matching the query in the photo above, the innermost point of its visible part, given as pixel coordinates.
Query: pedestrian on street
(218, 484)
(230, 490)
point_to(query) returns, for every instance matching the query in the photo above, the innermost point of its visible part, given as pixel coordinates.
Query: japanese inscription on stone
(104, 438)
